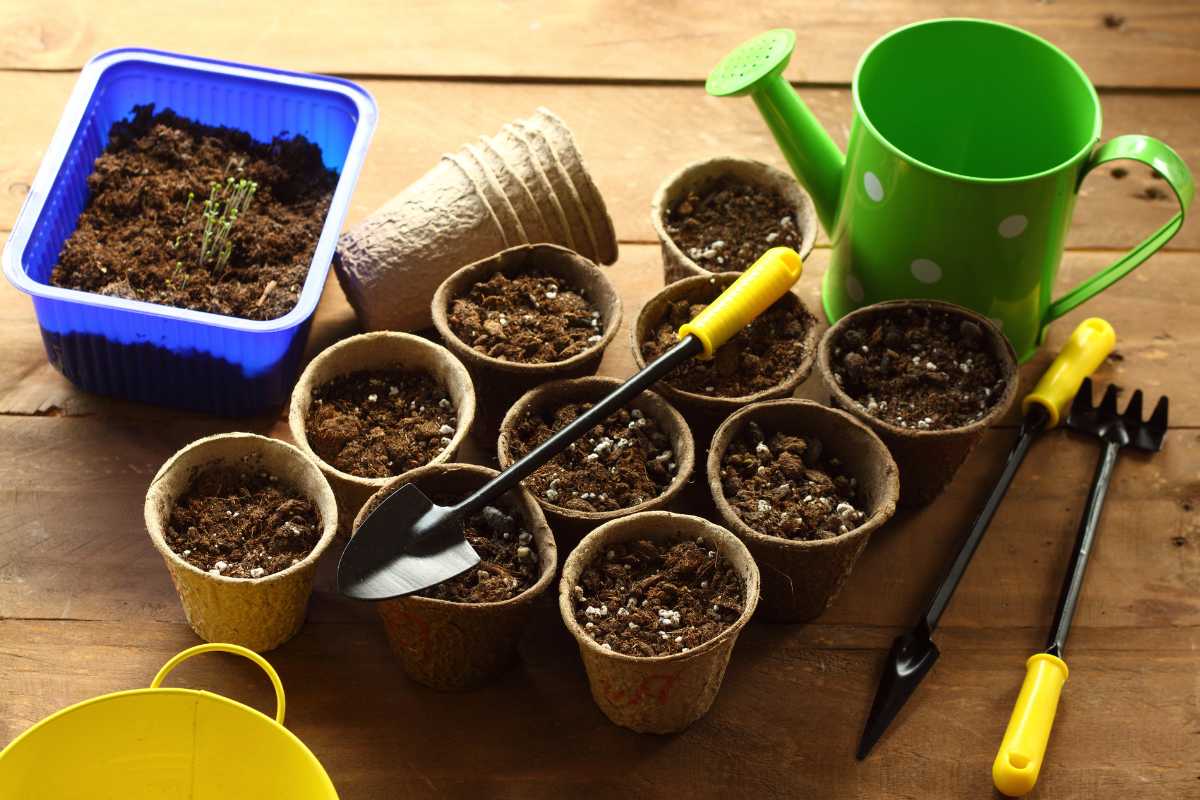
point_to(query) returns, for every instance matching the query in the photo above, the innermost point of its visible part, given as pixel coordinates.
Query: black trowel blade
(910, 658)
(382, 560)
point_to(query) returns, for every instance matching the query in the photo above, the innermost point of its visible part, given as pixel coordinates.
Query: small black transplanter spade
(913, 653)
(409, 543)
(1019, 760)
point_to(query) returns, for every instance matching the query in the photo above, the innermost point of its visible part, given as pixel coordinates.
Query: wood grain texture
(632, 138)
(87, 607)
(784, 725)
(1152, 311)
(1152, 43)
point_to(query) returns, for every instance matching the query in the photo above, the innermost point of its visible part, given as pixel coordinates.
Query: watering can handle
(1175, 172)
(238, 650)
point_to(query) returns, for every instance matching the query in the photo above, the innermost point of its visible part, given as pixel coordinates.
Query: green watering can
(969, 143)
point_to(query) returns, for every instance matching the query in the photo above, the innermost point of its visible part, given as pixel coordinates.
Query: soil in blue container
(199, 217)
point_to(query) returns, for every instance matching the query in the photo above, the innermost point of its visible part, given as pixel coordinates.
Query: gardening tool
(164, 742)
(1019, 760)
(969, 137)
(913, 653)
(409, 543)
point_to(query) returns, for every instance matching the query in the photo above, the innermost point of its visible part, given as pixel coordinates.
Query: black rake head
(1126, 427)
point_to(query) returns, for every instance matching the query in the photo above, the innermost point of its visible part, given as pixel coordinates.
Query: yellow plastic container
(165, 744)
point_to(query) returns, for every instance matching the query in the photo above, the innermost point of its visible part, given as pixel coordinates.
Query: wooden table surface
(86, 606)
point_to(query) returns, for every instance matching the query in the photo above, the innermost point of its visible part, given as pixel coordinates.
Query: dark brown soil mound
(919, 368)
(242, 523)
(142, 234)
(533, 318)
(624, 461)
(648, 598)
(509, 560)
(728, 227)
(783, 485)
(761, 356)
(378, 423)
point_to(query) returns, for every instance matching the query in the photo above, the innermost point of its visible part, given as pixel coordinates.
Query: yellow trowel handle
(1090, 343)
(1016, 768)
(767, 280)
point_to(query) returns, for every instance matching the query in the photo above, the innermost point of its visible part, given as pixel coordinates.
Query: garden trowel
(409, 543)
(913, 653)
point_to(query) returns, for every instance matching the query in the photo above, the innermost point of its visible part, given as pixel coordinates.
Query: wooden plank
(784, 725)
(633, 137)
(1152, 312)
(1152, 43)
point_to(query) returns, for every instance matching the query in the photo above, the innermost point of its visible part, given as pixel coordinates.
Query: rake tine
(1108, 403)
(1083, 398)
(1158, 420)
(1133, 412)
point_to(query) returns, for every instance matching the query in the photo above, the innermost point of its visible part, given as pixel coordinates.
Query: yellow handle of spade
(767, 280)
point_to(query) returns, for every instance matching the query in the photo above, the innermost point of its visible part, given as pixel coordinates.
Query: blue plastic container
(158, 354)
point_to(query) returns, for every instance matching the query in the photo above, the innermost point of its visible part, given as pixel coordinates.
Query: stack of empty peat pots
(525, 185)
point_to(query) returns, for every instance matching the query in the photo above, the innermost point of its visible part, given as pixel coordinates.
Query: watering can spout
(756, 68)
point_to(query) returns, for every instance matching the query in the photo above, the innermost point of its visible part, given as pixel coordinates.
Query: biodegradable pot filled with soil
(655, 602)
(721, 214)
(461, 632)
(928, 377)
(639, 459)
(240, 521)
(523, 317)
(804, 486)
(769, 359)
(377, 405)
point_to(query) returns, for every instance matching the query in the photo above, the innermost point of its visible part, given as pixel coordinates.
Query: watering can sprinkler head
(756, 68)
(744, 68)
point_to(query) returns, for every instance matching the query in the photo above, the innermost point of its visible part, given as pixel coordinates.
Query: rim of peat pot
(573, 268)
(671, 526)
(1004, 353)
(374, 350)
(819, 566)
(698, 175)
(255, 444)
(539, 528)
(653, 311)
(593, 388)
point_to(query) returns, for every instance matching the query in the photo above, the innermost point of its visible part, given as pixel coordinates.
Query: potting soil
(645, 598)
(140, 237)
(728, 226)
(378, 423)
(508, 558)
(919, 368)
(784, 485)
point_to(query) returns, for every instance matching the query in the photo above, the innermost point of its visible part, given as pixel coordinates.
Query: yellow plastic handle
(1090, 343)
(1019, 761)
(751, 294)
(237, 650)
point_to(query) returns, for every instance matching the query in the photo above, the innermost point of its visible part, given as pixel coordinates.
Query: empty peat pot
(527, 184)
(500, 381)
(801, 577)
(571, 523)
(703, 408)
(457, 645)
(928, 459)
(702, 177)
(657, 694)
(383, 350)
(258, 613)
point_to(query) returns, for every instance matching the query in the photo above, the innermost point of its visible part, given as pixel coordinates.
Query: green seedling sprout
(227, 201)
